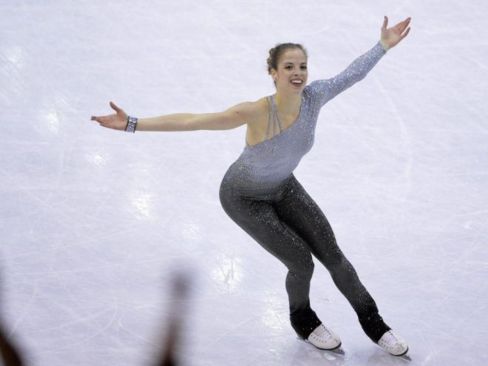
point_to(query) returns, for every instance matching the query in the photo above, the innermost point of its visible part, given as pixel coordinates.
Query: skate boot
(324, 338)
(393, 344)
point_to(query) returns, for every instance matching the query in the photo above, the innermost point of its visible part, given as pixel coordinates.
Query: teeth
(296, 81)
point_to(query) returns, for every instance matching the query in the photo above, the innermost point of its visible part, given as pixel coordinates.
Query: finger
(100, 119)
(385, 22)
(405, 34)
(97, 119)
(115, 108)
(405, 23)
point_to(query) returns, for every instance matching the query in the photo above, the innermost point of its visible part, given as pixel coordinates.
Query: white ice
(94, 221)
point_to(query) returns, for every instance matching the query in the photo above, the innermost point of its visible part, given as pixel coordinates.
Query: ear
(274, 74)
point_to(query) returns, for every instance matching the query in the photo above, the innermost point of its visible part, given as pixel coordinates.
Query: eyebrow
(291, 63)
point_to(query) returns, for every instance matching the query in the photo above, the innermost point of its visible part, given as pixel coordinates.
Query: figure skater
(260, 193)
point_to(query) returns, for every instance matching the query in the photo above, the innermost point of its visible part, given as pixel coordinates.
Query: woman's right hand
(117, 121)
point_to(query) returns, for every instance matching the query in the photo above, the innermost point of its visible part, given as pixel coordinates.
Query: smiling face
(291, 73)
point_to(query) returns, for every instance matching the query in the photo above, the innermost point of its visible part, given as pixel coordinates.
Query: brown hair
(276, 52)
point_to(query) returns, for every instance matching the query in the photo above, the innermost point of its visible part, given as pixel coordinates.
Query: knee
(336, 260)
(309, 268)
(302, 269)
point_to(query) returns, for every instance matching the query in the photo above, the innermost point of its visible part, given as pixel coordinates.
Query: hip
(239, 182)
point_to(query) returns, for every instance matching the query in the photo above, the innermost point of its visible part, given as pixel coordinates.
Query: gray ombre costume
(260, 193)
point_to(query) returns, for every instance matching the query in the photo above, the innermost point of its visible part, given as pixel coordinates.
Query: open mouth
(297, 82)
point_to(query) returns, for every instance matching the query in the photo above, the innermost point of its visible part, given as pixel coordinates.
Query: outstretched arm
(359, 68)
(231, 118)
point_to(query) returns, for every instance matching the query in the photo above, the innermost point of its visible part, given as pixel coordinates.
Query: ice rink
(94, 221)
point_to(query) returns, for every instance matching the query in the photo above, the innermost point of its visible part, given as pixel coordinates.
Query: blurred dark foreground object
(179, 294)
(10, 354)
(180, 289)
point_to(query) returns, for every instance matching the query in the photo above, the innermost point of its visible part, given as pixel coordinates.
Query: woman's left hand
(390, 37)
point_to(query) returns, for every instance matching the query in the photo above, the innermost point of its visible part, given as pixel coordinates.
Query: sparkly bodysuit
(262, 167)
(260, 193)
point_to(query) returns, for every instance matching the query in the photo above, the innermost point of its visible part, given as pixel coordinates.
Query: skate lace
(389, 339)
(321, 330)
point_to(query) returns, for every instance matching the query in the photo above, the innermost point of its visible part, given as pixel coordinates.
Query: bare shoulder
(252, 111)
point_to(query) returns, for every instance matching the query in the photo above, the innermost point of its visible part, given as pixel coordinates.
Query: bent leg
(259, 219)
(303, 215)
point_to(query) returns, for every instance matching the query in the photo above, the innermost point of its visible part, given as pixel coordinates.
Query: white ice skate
(324, 338)
(393, 344)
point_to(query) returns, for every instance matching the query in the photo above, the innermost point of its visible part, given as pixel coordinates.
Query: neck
(288, 103)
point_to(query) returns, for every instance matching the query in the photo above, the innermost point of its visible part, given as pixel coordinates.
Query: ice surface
(94, 221)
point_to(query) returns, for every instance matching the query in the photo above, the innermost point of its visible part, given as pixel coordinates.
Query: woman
(260, 193)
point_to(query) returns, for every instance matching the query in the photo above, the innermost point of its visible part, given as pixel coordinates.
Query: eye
(304, 67)
(288, 67)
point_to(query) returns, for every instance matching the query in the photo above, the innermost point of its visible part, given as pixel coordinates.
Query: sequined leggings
(290, 225)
